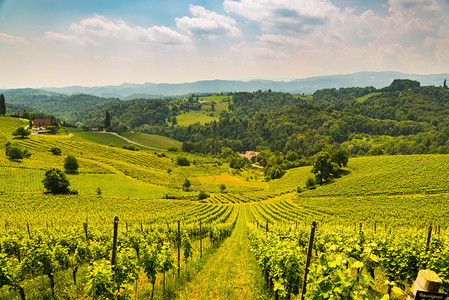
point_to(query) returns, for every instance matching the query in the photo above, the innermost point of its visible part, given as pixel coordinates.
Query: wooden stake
(201, 242)
(86, 232)
(309, 257)
(114, 243)
(429, 236)
(29, 232)
(179, 249)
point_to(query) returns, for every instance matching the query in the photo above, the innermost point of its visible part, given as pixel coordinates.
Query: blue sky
(101, 42)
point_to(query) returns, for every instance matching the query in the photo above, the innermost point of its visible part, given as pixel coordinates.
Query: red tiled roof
(42, 122)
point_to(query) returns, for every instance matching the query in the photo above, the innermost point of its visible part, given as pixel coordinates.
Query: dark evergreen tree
(444, 85)
(3, 105)
(107, 120)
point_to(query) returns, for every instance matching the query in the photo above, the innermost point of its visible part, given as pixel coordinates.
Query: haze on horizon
(100, 42)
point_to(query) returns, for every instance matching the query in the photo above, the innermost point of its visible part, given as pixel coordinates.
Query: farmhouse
(42, 122)
(96, 127)
(251, 155)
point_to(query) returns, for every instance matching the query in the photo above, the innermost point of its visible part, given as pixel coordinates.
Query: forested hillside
(61, 106)
(402, 118)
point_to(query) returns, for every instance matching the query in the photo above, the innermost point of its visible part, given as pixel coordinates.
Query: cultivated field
(372, 225)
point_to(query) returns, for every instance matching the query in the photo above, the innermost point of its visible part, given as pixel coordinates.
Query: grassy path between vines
(232, 273)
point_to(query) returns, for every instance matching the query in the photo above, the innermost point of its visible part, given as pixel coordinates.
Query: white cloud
(11, 40)
(294, 15)
(242, 50)
(69, 38)
(279, 39)
(414, 6)
(442, 51)
(99, 27)
(207, 23)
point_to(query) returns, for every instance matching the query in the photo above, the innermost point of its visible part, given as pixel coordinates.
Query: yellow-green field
(145, 190)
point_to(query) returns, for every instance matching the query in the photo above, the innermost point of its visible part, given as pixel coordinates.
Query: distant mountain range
(306, 85)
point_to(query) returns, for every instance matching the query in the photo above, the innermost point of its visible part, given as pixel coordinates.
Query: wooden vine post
(201, 242)
(179, 248)
(429, 236)
(86, 232)
(29, 231)
(308, 258)
(114, 243)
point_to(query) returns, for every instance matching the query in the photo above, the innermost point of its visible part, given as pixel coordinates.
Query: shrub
(130, 147)
(172, 149)
(56, 182)
(310, 183)
(222, 187)
(71, 164)
(182, 161)
(14, 153)
(202, 195)
(55, 150)
(26, 153)
(186, 185)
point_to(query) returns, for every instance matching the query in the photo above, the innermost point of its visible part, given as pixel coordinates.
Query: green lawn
(215, 98)
(364, 98)
(193, 117)
(99, 138)
(8, 125)
(152, 140)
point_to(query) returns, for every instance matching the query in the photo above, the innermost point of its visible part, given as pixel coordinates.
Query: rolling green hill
(145, 190)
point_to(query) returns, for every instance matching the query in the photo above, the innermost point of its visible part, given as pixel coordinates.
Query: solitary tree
(14, 153)
(107, 120)
(186, 185)
(56, 182)
(22, 132)
(322, 168)
(341, 157)
(71, 164)
(2, 105)
(444, 85)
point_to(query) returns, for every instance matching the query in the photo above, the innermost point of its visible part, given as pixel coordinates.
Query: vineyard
(247, 240)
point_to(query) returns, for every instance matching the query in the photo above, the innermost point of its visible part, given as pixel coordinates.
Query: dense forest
(61, 106)
(402, 118)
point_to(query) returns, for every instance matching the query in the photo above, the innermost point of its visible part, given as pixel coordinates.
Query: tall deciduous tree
(322, 168)
(107, 120)
(22, 132)
(2, 105)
